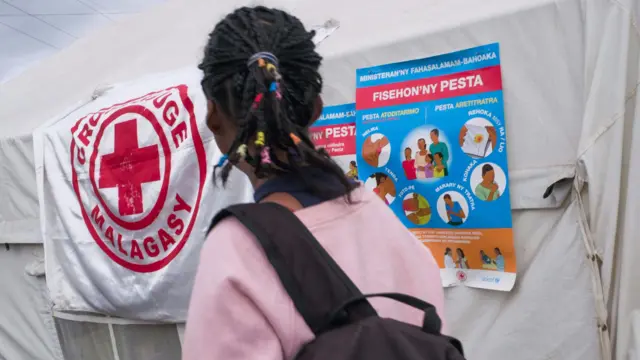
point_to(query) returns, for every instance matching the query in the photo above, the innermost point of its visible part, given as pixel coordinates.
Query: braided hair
(261, 68)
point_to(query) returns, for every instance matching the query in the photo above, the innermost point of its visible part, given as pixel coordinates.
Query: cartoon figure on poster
(426, 154)
(376, 150)
(431, 143)
(382, 185)
(352, 173)
(453, 208)
(416, 209)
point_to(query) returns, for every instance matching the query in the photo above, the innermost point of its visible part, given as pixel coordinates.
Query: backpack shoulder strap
(313, 280)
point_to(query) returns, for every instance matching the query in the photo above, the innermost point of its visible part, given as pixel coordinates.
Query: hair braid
(272, 104)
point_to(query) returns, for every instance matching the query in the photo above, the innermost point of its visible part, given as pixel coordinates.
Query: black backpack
(345, 325)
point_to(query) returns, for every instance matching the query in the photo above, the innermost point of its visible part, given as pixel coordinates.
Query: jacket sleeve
(223, 321)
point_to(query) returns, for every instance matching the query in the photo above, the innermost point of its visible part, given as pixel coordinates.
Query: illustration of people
(429, 167)
(439, 147)
(409, 165)
(461, 261)
(448, 259)
(421, 158)
(499, 259)
(371, 150)
(353, 170)
(439, 170)
(422, 215)
(455, 213)
(487, 262)
(384, 187)
(487, 189)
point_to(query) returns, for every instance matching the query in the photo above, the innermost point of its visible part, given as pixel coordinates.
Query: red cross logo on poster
(138, 170)
(462, 276)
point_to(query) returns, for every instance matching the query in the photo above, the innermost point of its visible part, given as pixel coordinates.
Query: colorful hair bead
(257, 100)
(273, 87)
(223, 159)
(264, 155)
(271, 67)
(242, 151)
(296, 140)
(259, 139)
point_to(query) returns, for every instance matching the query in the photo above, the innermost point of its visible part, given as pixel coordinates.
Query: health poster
(335, 131)
(431, 142)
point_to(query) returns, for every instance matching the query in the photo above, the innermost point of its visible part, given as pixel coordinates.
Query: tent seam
(614, 119)
(634, 23)
(596, 278)
(633, 92)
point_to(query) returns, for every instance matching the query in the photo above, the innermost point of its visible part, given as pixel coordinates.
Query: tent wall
(86, 336)
(19, 210)
(625, 289)
(27, 329)
(633, 352)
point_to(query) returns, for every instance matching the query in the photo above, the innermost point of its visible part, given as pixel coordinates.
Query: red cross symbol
(128, 167)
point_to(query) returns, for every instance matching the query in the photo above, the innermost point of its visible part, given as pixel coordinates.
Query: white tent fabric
(19, 209)
(27, 328)
(26, 325)
(634, 340)
(570, 72)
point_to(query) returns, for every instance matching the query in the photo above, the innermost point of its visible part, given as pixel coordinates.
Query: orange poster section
(471, 242)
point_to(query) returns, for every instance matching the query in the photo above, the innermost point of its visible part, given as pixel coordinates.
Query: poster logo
(462, 276)
(138, 170)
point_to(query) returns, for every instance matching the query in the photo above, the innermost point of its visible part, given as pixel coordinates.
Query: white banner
(127, 196)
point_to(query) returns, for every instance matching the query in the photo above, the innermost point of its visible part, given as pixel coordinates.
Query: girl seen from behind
(263, 88)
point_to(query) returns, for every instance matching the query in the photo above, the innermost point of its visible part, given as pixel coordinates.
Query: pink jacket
(239, 309)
